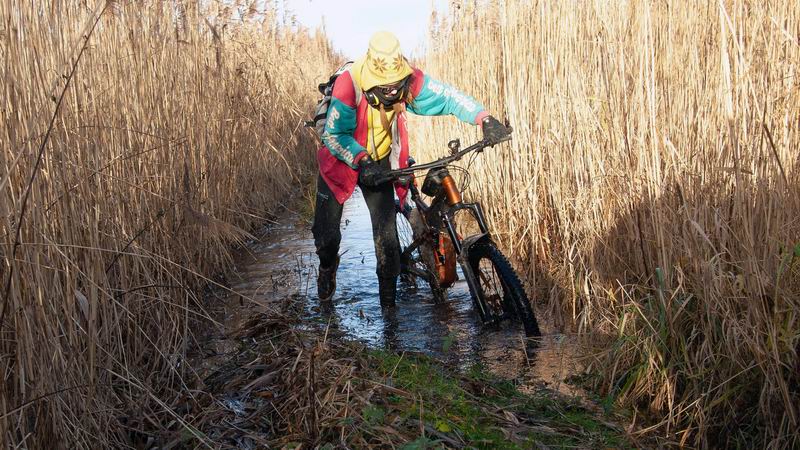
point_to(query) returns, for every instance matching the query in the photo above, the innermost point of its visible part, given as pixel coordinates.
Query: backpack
(326, 89)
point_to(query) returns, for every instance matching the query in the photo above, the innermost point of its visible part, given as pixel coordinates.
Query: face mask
(388, 95)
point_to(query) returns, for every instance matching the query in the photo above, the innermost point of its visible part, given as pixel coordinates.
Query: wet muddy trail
(275, 369)
(282, 264)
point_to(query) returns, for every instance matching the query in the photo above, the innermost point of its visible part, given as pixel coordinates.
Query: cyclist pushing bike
(364, 137)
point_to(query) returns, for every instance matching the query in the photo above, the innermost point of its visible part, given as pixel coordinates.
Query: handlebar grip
(391, 176)
(386, 178)
(498, 141)
(505, 138)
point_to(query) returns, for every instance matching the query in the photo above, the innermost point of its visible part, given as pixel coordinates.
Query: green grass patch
(477, 410)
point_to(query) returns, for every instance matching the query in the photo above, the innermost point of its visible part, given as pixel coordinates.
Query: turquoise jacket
(430, 98)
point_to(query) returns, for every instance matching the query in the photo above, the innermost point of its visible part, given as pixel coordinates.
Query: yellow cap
(384, 62)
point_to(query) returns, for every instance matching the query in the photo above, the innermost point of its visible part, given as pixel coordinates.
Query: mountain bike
(432, 243)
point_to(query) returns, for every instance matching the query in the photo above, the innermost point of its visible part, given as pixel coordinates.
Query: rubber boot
(326, 282)
(387, 290)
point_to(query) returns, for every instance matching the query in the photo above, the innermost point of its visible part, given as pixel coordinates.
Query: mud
(282, 264)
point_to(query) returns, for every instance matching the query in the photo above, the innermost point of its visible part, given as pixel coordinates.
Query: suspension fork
(463, 246)
(444, 208)
(448, 222)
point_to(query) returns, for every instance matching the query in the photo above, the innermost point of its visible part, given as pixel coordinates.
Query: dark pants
(328, 215)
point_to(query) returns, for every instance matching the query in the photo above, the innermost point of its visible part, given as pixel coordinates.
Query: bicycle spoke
(493, 293)
(415, 253)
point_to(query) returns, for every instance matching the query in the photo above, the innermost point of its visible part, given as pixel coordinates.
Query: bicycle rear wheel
(417, 263)
(499, 288)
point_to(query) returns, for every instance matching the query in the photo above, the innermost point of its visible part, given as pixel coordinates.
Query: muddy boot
(326, 282)
(387, 289)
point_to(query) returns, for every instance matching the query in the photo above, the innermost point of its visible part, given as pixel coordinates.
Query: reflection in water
(283, 264)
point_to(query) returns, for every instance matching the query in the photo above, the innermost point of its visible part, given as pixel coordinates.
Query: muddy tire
(439, 294)
(409, 225)
(500, 288)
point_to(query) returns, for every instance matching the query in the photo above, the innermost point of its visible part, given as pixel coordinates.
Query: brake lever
(488, 143)
(384, 179)
(390, 178)
(405, 180)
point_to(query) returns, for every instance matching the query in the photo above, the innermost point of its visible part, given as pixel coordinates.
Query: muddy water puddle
(282, 264)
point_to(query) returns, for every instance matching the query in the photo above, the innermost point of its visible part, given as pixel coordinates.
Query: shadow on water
(283, 263)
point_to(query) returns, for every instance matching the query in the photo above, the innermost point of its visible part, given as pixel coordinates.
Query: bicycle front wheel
(499, 287)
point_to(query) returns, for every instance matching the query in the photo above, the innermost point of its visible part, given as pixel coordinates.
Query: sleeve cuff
(481, 115)
(358, 158)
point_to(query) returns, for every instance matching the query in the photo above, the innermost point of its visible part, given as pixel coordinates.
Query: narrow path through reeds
(286, 372)
(651, 194)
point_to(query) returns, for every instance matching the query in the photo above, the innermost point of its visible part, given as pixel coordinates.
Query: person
(366, 135)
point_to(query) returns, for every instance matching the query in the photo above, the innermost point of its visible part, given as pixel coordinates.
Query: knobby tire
(515, 302)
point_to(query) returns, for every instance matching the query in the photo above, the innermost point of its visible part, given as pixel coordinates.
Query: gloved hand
(369, 172)
(494, 131)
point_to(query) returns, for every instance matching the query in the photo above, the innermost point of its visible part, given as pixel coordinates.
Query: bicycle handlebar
(392, 175)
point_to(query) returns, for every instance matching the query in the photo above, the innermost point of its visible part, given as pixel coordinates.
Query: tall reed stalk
(653, 190)
(139, 140)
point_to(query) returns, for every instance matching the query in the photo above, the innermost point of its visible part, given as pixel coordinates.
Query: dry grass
(139, 140)
(277, 386)
(653, 186)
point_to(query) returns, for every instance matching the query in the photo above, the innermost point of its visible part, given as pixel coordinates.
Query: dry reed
(283, 387)
(653, 189)
(139, 140)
